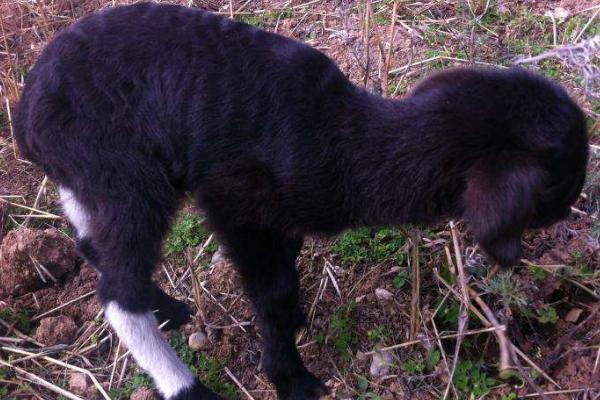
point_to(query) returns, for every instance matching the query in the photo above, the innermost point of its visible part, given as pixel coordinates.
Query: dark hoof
(305, 386)
(196, 392)
(176, 312)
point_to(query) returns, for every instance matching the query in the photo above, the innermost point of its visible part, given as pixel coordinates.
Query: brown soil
(56, 330)
(31, 259)
(144, 393)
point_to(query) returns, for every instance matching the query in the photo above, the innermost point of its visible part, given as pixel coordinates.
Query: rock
(56, 330)
(383, 294)
(23, 249)
(199, 341)
(217, 257)
(78, 383)
(573, 314)
(144, 393)
(380, 364)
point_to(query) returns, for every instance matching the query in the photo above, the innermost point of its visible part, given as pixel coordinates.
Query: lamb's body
(129, 109)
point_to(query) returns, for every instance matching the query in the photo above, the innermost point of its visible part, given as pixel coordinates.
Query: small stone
(217, 257)
(317, 322)
(144, 393)
(78, 383)
(199, 341)
(380, 364)
(573, 315)
(383, 294)
(561, 13)
(56, 330)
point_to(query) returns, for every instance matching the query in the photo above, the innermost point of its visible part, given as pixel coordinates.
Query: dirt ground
(51, 325)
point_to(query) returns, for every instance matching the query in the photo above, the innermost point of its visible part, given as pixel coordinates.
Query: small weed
(577, 255)
(363, 384)
(413, 366)
(586, 272)
(262, 20)
(550, 68)
(381, 19)
(361, 245)
(434, 38)
(380, 334)
(450, 312)
(504, 286)
(432, 359)
(4, 388)
(400, 279)
(138, 380)
(490, 17)
(421, 364)
(471, 380)
(547, 316)
(571, 29)
(209, 369)
(341, 329)
(187, 231)
(21, 319)
(537, 272)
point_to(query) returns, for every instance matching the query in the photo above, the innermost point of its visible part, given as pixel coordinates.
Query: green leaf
(400, 279)
(547, 316)
(433, 358)
(537, 272)
(363, 383)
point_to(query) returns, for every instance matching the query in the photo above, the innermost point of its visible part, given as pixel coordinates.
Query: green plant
(209, 369)
(380, 334)
(381, 19)
(471, 380)
(490, 17)
(361, 245)
(550, 68)
(432, 359)
(547, 315)
(3, 388)
(138, 380)
(21, 319)
(400, 279)
(421, 364)
(586, 272)
(187, 231)
(449, 313)
(261, 20)
(363, 384)
(413, 366)
(504, 286)
(341, 329)
(537, 272)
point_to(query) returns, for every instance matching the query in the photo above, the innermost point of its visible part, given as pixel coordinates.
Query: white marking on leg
(75, 212)
(150, 349)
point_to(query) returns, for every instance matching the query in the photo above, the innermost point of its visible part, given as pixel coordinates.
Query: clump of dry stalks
(580, 57)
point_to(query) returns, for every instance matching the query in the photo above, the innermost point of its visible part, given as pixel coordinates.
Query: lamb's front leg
(266, 262)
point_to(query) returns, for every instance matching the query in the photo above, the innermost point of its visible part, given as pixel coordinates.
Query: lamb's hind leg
(122, 241)
(266, 262)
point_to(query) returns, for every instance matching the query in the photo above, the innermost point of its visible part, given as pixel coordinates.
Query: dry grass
(520, 325)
